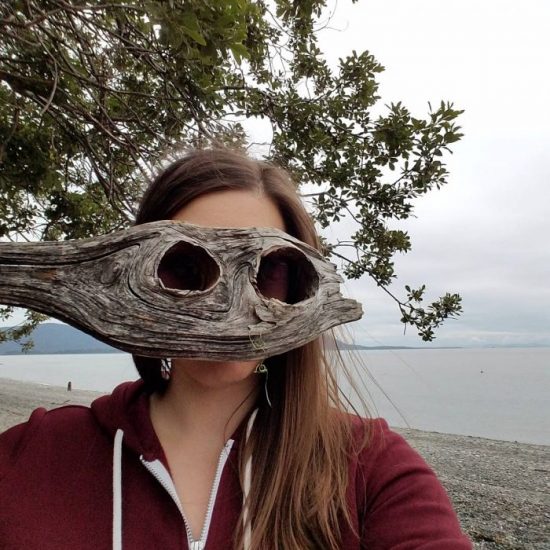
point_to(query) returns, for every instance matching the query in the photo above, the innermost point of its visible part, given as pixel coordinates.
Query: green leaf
(190, 25)
(239, 51)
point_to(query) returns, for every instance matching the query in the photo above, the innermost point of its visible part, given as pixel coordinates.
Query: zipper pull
(197, 545)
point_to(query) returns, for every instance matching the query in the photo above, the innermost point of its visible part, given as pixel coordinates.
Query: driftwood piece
(126, 289)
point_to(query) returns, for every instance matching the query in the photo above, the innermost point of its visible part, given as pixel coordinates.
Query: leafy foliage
(92, 95)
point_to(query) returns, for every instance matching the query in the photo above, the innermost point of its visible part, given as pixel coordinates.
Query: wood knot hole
(287, 275)
(186, 266)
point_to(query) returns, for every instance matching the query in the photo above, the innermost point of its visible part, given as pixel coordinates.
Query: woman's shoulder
(67, 429)
(381, 453)
(370, 436)
(398, 494)
(44, 431)
(54, 424)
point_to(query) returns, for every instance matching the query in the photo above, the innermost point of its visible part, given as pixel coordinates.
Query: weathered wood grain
(109, 287)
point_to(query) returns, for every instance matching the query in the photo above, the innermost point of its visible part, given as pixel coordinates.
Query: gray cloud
(486, 234)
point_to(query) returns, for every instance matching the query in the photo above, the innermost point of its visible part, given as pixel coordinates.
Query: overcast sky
(486, 234)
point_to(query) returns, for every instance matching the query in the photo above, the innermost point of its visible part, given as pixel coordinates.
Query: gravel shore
(500, 489)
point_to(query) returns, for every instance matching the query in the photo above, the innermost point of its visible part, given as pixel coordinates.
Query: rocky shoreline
(500, 489)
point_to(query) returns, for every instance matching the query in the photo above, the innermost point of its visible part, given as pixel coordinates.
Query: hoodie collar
(127, 408)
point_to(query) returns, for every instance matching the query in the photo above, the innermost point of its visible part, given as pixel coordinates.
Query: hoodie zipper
(161, 474)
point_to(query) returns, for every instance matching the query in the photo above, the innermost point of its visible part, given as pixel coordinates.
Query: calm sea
(494, 393)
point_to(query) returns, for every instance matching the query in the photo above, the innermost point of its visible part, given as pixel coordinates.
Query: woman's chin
(215, 374)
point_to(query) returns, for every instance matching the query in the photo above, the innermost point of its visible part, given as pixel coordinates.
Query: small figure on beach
(260, 452)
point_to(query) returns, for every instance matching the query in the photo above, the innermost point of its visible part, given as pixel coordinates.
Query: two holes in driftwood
(285, 273)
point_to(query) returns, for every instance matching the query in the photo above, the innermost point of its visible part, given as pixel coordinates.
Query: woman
(201, 454)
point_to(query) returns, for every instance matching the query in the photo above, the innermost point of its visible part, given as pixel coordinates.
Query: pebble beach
(500, 489)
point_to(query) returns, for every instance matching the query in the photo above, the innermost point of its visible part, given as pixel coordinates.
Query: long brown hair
(302, 444)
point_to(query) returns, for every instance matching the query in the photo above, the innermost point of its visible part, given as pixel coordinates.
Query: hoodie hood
(127, 409)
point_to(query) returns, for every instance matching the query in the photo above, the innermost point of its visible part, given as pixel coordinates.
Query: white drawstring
(247, 538)
(117, 490)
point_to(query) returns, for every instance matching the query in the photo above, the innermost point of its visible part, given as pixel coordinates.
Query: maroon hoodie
(97, 478)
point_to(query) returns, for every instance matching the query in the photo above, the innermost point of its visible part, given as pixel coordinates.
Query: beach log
(172, 289)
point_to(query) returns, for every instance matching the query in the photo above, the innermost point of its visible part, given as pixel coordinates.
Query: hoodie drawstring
(246, 487)
(117, 490)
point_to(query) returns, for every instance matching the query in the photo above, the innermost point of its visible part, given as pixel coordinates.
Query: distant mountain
(58, 338)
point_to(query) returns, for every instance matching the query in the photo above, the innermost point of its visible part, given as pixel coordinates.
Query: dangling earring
(262, 369)
(166, 369)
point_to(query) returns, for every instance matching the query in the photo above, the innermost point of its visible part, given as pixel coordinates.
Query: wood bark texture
(109, 287)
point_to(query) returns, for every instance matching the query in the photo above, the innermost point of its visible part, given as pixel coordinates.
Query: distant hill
(58, 338)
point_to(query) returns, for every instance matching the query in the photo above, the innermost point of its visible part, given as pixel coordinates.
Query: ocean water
(493, 393)
(95, 371)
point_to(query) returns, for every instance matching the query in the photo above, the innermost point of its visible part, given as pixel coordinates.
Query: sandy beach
(500, 489)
